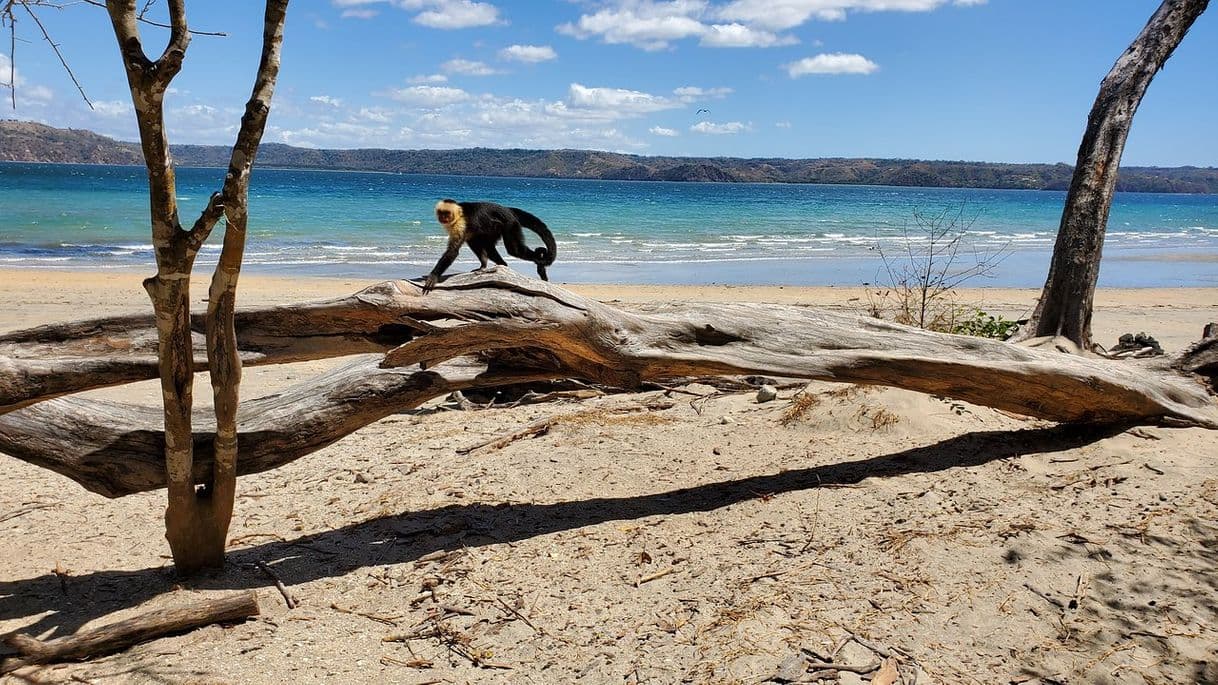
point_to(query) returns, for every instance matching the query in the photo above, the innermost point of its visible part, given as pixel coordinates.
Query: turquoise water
(381, 226)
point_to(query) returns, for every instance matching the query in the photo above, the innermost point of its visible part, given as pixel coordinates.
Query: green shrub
(982, 325)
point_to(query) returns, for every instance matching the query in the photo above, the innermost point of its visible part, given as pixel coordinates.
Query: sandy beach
(695, 537)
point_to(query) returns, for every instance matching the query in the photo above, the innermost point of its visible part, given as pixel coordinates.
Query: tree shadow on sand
(402, 538)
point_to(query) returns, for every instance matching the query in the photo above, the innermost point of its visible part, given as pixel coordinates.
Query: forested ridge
(31, 142)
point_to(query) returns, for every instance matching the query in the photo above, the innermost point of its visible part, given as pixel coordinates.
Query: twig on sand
(848, 668)
(542, 426)
(654, 576)
(533, 430)
(387, 620)
(25, 510)
(283, 589)
(1047, 597)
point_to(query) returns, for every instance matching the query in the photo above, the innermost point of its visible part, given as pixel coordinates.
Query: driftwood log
(497, 328)
(122, 634)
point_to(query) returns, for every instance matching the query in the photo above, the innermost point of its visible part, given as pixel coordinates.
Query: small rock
(361, 478)
(791, 669)
(717, 451)
(848, 678)
(725, 420)
(766, 393)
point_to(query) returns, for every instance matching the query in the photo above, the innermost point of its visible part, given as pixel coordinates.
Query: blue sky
(996, 80)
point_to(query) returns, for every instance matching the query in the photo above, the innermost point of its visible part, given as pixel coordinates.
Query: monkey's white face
(451, 217)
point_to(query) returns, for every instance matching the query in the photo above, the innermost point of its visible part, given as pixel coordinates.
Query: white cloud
(729, 128)
(528, 53)
(428, 96)
(114, 108)
(661, 131)
(642, 23)
(831, 63)
(618, 101)
(374, 114)
(356, 9)
(740, 36)
(27, 93)
(782, 124)
(654, 25)
(428, 78)
(453, 14)
(785, 14)
(690, 94)
(467, 67)
(327, 100)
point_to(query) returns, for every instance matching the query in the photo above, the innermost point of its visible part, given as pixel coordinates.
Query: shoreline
(1025, 269)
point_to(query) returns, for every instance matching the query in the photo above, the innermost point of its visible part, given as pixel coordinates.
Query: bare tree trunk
(196, 522)
(1066, 302)
(170, 288)
(224, 360)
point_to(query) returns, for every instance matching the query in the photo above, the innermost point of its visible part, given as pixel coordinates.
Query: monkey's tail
(544, 256)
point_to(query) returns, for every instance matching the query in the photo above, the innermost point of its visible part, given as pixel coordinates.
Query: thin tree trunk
(224, 360)
(170, 288)
(1067, 299)
(196, 521)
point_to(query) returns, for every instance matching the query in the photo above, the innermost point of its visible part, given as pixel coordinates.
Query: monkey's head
(451, 217)
(447, 211)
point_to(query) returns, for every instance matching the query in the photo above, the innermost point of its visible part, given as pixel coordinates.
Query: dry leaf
(888, 673)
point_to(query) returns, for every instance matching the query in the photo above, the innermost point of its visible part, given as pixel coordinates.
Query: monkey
(481, 225)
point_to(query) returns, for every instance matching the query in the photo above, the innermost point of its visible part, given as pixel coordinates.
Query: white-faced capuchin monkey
(482, 224)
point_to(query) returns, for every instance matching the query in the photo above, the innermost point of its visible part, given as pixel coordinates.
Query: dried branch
(144, 20)
(55, 46)
(122, 634)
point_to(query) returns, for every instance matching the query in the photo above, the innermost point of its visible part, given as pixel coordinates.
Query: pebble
(767, 393)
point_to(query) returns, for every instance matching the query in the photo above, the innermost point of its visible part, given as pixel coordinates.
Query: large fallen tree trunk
(114, 448)
(524, 330)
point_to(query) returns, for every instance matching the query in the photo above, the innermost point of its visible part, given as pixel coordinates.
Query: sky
(977, 80)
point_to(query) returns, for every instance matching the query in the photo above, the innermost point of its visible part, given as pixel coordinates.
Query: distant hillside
(29, 142)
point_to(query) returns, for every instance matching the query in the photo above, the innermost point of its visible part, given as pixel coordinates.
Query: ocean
(379, 226)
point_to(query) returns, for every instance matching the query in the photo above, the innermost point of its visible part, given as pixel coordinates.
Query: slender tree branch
(55, 47)
(12, 53)
(170, 62)
(143, 20)
(205, 223)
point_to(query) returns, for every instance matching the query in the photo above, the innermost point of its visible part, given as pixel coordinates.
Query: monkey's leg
(513, 240)
(484, 248)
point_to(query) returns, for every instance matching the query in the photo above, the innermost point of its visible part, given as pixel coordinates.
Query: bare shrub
(935, 256)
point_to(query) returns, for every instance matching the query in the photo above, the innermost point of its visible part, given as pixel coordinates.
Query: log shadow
(402, 538)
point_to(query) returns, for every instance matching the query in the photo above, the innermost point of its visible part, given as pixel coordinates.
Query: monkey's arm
(446, 260)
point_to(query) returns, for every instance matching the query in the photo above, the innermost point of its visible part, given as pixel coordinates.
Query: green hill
(30, 142)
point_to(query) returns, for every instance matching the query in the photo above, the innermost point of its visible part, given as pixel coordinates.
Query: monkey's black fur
(483, 224)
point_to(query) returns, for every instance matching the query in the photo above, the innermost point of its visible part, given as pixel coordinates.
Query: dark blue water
(381, 225)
